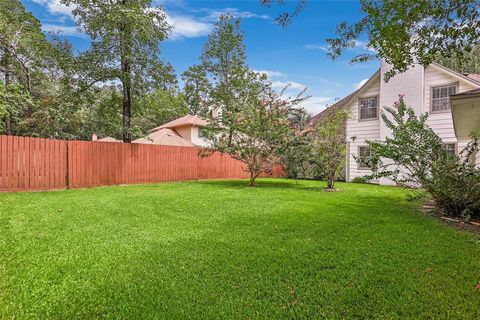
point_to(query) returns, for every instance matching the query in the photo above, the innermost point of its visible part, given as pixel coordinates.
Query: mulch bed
(459, 224)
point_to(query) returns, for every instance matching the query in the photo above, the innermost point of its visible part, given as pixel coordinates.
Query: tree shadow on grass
(244, 184)
(265, 184)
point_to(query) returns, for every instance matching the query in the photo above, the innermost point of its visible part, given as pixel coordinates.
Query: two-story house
(425, 89)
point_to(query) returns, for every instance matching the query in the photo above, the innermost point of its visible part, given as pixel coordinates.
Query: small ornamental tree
(296, 154)
(415, 156)
(330, 145)
(254, 133)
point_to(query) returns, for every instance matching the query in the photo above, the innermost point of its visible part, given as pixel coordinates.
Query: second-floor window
(368, 108)
(441, 97)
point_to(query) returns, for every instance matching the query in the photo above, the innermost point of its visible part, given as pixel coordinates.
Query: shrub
(330, 145)
(455, 186)
(363, 179)
(416, 157)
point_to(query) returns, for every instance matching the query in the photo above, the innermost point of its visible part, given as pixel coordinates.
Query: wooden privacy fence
(41, 164)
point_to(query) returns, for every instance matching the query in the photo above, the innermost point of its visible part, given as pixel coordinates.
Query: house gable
(442, 122)
(358, 132)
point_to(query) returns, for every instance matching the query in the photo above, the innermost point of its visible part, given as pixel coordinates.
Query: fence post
(67, 168)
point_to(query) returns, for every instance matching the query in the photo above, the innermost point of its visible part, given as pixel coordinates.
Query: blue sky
(296, 55)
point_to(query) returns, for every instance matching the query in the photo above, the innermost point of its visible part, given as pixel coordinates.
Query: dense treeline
(121, 87)
(48, 90)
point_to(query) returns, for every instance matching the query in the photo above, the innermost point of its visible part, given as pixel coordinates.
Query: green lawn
(219, 249)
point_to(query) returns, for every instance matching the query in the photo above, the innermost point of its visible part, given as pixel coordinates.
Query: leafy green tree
(296, 151)
(57, 95)
(223, 58)
(22, 43)
(24, 51)
(156, 108)
(411, 31)
(261, 127)
(14, 99)
(330, 144)
(404, 32)
(160, 75)
(466, 62)
(415, 156)
(285, 18)
(126, 35)
(103, 115)
(197, 90)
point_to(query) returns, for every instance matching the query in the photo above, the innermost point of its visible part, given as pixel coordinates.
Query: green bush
(416, 157)
(363, 179)
(455, 187)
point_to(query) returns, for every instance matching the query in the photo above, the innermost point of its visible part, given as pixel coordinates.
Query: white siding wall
(409, 84)
(442, 123)
(362, 130)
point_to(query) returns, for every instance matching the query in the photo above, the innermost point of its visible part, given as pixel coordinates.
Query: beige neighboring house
(451, 99)
(104, 139)
(184, 131)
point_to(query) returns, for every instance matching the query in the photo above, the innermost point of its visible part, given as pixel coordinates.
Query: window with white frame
(368, 108)
(441, 97)
(364, 156)
(451, 148)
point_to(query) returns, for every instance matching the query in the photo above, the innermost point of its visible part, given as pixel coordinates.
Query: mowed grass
(221, 250)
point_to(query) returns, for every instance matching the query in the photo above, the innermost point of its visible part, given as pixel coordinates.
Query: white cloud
(358, 85)
(213, 15)
(63, 30)
(363, 46)
(201, 24)
(291, 85)
(272, 73)
(359, 46)
(316, 47)
(183, 26)
(316, 104)
(55, 7)
(187, 27)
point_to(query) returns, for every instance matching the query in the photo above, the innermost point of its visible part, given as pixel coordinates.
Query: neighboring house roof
(343, 102)
(108, 139)
(192, 120)
(165, 137)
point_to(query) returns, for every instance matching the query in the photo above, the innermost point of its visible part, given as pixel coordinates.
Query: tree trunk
(125, 49)
(331, 177)
(330, 183)
(8, 119)
(253, 176)
(127, 101)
